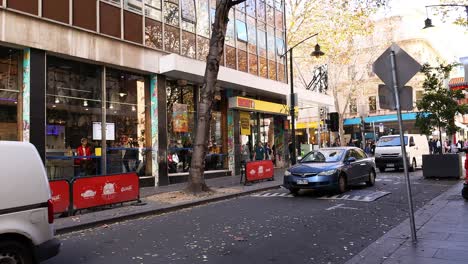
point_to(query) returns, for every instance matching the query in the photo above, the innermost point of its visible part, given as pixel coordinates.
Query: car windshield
(390, 141)
(324, 155)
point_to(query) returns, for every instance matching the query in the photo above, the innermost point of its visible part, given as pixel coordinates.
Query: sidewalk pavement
(442, 233)
(227, 187)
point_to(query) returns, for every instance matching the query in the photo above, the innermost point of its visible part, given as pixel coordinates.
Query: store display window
(10, 113)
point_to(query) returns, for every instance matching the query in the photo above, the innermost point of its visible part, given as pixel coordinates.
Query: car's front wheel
(14, 252)
(371, 180)
(382, 169)
(342, 185)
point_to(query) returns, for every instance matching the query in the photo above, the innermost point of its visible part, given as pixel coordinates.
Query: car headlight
(327, 173)
(287, 173)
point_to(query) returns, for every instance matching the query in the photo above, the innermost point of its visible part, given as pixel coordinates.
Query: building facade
(126, 75)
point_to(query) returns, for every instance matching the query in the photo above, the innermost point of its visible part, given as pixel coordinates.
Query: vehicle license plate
(390, 165)
(302, 182)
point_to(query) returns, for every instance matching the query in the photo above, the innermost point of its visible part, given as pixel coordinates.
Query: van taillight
(50, 211)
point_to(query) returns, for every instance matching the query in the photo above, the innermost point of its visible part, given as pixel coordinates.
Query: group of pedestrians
(435, 146)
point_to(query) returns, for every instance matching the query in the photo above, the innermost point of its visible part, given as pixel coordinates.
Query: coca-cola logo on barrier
(103, 190)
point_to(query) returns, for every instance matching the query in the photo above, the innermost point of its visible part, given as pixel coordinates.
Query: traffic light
(334, 122)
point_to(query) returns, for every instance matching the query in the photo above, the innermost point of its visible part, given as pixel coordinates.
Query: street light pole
(291, 109)
(428, 21)
(316, 53)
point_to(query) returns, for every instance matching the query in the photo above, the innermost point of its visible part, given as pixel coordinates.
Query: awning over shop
(304, 125)
(458, 83)
(379, 119)
(247, 104)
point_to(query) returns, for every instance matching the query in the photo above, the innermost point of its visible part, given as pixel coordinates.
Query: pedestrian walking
(259, 152)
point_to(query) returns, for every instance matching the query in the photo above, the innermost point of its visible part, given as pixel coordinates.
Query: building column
(34, 92)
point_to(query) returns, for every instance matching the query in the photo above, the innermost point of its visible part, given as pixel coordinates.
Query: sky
(449, 39)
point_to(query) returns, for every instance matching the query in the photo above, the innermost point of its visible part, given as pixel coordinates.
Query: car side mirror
(299, 158)
(351, 160)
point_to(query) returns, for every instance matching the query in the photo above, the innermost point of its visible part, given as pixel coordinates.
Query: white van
(26, 211)
(388, 151)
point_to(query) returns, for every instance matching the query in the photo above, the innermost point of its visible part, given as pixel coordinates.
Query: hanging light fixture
(57, 101)
(133, 108)
(317, 52)
(111, 106)
(122, 93)
(85, 103)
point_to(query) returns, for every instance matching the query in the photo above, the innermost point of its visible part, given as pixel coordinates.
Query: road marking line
(274, 194)
(340, 206)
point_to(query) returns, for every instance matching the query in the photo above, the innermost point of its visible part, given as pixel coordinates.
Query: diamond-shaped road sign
(406, 66)
(387, 98)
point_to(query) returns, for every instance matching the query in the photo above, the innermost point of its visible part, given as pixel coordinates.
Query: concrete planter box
(442, 166)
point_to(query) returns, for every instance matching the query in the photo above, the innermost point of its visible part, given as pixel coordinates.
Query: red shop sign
(259, 170)
(103, 190)
(60, 195)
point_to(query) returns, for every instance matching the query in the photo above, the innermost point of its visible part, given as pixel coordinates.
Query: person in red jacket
(84, 162)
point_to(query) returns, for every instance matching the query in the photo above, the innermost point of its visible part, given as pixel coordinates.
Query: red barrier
(259, 170)
(60, 195)
(103, 190)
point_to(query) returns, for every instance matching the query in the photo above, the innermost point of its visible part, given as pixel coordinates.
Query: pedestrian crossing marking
(370, 196)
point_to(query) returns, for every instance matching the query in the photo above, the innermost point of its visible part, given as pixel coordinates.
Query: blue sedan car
(331, 169)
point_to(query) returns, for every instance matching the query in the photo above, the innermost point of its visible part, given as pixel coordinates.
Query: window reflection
(253, 64)
(242, 60)
(203, 23)
(250, 6)
(271, 44)
(203, 47)
(261, 37)
(172, 39)
(171, 12)
(271, 70)
(134, 5)
(230, 57)
(263, 67)
(261, 10)
(153, 34)
(188, 44)
(153, 9)
(252, 35)
(270, 15)
(9, 93)
(281, 73)
(241, 30)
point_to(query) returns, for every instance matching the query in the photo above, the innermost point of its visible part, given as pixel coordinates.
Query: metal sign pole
(403, 146)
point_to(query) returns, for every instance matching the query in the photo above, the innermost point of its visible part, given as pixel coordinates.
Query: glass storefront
(181, 118)
(74, 129)
(10, 115)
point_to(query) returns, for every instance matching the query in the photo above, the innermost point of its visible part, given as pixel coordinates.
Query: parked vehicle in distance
(26, 210)
(330, 169)
(388, 151)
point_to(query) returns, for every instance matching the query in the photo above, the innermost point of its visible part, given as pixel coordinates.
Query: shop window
(153, 34)
(10, 113)
(261, 10)
(242, 55)
(126, 110)
(171, 12)
(419, 95)
(73, 115)
(188, 44)
(250, 6)
(263, 67)
(203, 47)
(271, 70)
(84, 14)
(372, 104)
(230, 57)
(153, 9)
(180, 125)
(261, 37)
(253, 64)
(172, 39)
(134, 5)
(56, 10)
(252, 35)
(203, 21)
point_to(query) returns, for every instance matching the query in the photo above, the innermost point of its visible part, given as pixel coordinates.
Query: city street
(266, 227)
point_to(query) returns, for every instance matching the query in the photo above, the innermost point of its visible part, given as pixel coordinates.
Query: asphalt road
(267, 228)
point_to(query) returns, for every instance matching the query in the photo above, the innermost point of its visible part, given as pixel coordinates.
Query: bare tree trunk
(196, 180)
(341, 129)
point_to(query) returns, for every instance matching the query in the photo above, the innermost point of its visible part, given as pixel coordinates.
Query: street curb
(385, 246)
(158, 211)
